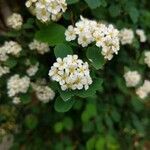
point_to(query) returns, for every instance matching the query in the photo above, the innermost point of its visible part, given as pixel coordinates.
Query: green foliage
(93, 3)
(107, 116)
(95, 57)
(63, 106)
(52, 34)
(62, 50)
(72, 1)
(11, 62)
(31, 122)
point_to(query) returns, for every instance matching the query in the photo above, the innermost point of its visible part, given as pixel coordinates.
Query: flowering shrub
(74, 74)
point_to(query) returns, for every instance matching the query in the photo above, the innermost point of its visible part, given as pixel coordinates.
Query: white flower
(16, 100)
(3, 53)
(16, 85)
(9, 48)
(53, 7)
(141, 35)
(141, 92)
(70, 33)
(144, 90)
(147, 58)
(4, 70)
(108, 54)
(42, 14)
(84, 40)
(87, 31)
(13, 48)
(15, 21)
(146, 86)
(71, 73)
(132, 78)
(46, 10)
(32, 70)
(126, 36)
(43, 92)
(41, 47)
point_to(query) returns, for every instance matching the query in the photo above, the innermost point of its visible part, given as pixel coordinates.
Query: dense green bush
(111, 113)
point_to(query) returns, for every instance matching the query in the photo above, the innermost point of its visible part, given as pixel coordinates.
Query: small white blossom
(70, 33)
(132, 78)
(41, 47)
(3, 54)
(16, 100)
(147, 58)
(4, 70)
(43, 92)
(84, 40)
(87, 31)
(46, 10)
(13, 48)
(32, 70)
(16, 85)
(15, 21)
(141, 35)
(126, 36)
(141, 92)
(9, 48)
(144, 90)
(71, 73)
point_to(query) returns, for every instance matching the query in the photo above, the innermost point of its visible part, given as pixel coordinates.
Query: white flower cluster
(132, 78)
(32, 70)
(88, 31)
(141, 35)
(144, 90)
(126, 36)
(71, 73)
(16, 85)
(41, 47)
(4, 70)
(43, 92)
(46, 10)
(15, 21)
(12, 48)
(147, 58)
(16, 100)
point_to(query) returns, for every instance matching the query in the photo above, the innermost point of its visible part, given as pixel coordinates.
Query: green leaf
(115, 115)
(25, 98)
(62, 50)
(89, 112)
(108, 121)
(112, 143)
(95, 57)
(72, 1)
(88, 127)
(52, 34)
(134, 14)
(100, 143)
(29, 24)
(66, 95)
(68, 123)
(11, 62)
(93, 3)
(96, 86)
(58, 127)
(91, 143)
(114, 10)
(31, 121)
(137, 105)
(62, 106)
